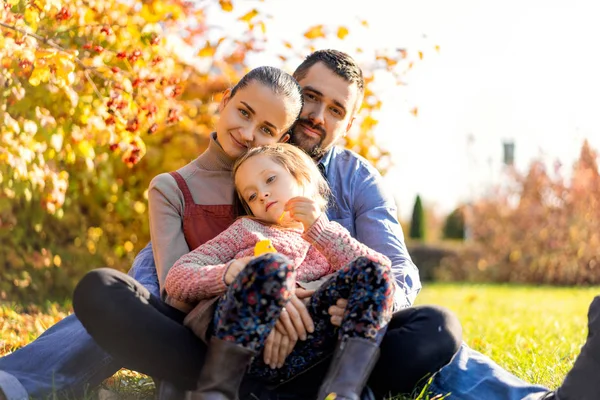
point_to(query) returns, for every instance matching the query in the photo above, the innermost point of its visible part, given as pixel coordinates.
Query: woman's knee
(89, 294)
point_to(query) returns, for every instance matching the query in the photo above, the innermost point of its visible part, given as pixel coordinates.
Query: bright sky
(525, 70)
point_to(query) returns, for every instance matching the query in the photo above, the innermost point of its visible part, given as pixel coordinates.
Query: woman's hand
(235, 268)
(304, 210)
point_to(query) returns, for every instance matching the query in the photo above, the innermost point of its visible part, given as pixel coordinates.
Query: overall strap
(187, 195)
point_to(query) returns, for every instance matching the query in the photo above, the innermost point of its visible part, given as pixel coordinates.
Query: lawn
(534, 332)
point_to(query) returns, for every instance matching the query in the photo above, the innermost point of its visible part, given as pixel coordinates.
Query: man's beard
(300, 139)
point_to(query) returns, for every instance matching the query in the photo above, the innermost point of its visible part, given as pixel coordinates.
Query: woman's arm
(337, 245)
(166, 208)
(200, 274)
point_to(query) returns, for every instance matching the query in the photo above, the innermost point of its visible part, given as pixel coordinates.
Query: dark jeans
(147, 335)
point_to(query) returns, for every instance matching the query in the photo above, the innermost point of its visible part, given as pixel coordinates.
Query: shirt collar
(326, 159)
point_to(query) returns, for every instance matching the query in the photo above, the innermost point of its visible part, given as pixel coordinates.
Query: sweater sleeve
(166, 209)
(199, 274)
(337, 245)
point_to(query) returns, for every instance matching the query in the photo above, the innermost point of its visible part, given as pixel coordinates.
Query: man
(326, 117)
(333, 88)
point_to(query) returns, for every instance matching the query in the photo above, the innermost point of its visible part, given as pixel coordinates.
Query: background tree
(540, 228)
(417, 223)
(100, 97)
(454, 226)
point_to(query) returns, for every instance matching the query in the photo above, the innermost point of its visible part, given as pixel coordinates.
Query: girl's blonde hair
(297, 163)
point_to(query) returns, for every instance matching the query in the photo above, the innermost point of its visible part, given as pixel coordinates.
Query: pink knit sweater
(323, 249)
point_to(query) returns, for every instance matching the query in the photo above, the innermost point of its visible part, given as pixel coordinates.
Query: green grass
(533, 332)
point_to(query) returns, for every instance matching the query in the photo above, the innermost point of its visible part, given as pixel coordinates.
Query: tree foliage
(417, 222)
(454, 226)
(98, 97)
(541, 228)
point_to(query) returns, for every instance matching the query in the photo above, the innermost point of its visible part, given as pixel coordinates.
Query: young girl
(270, 181)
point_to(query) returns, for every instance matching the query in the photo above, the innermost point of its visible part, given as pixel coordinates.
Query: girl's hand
(304, 210)
(235, 268)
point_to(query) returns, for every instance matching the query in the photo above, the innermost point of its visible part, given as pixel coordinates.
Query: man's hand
(337, 311)
(235, 268)
(277, 347)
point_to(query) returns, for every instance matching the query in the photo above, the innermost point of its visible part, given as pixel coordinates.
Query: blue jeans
(65, 358)
(473, 376)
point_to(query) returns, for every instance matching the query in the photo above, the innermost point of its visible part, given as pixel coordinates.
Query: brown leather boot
(223, 371)
(582, 383)
(353, 361)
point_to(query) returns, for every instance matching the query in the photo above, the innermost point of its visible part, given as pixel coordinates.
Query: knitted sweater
(323, 249)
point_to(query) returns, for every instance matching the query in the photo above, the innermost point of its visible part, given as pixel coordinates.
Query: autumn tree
(98, 97)
(542, 228)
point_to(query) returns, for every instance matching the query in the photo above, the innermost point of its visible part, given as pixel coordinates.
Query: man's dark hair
(339, 63)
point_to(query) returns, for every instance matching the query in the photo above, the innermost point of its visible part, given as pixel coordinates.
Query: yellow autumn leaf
(263, 27)
(32, 18)
(40, 74)
(287, 45)
(315, 32)
(86, 149)
(249, 15)
(342, 32)
(226, 5)
(149, 13)
(64, 69)
(420, 55)
(207, 50)
(364, 23)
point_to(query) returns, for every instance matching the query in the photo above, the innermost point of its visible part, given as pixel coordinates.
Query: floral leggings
(247, 313)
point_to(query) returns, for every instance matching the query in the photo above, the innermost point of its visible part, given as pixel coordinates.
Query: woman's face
(255, 116)
(266, 186)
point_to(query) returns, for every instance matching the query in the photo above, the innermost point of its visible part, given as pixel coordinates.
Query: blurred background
(483, 118)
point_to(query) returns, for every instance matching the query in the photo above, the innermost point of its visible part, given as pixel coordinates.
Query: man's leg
(65, 358)
(473, 376)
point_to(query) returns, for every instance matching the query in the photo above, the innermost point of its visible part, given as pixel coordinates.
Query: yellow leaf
(415, 111)
(342, 32)
(364, 23)
(249, 15)
(420, 55)
(32, 18)
(315, 32)
(437, 48)
(39, 75)
(287, 44)
(86, 149)
(207, 50)
(226, 5)
(263, 27)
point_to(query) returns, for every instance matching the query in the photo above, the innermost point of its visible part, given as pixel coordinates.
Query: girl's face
(255, 116)
(266, 187)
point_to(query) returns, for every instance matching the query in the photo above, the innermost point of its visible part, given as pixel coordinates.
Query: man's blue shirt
(362, 205)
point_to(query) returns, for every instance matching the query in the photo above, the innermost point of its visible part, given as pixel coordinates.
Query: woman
(187, 208)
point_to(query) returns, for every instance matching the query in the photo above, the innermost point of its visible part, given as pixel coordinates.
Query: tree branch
(50, 43)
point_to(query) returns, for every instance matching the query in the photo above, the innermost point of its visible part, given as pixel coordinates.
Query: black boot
(352, 363)
(223, 371)
(583, 381)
